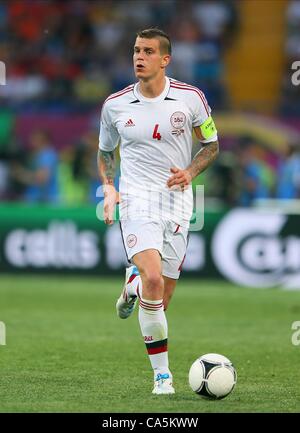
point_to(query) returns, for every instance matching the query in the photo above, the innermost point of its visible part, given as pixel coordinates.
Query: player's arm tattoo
(204, 158)
(106, 166)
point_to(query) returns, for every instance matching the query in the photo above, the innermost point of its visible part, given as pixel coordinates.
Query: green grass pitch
(67, 351)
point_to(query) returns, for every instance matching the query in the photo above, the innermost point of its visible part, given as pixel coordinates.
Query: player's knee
(154, 281)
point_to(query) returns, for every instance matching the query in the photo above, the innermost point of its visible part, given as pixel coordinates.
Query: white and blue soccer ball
(212, 376)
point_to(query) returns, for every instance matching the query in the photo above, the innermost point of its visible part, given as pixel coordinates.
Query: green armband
(208, 128)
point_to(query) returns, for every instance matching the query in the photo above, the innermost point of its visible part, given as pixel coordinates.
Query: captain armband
(208, 128)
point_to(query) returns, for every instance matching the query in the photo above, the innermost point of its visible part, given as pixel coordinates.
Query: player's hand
(111, 198)
(180, 179)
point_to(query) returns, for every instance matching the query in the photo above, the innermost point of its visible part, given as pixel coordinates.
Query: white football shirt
(154, 135)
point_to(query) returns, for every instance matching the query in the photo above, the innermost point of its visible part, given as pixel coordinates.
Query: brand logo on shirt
(129, 123)
(178, 121)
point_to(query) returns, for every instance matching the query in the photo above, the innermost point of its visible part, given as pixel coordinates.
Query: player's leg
(148, 263)
(137, 236)
(173, 255)
(133, 289)
(169, 287)
(152, 318)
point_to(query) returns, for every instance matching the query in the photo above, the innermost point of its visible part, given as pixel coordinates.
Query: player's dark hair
(155, 33)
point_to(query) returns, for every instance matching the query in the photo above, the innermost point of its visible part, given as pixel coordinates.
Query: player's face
(147, 59)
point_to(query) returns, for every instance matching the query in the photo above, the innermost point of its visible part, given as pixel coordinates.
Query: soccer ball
(212, 376)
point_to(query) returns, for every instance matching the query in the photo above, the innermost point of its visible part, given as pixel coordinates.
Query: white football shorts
(169, 238)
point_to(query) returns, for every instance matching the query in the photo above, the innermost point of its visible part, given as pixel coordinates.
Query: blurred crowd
(241, 176)
(250, 173)
(66, 57)
(41, 174)
(70, 55)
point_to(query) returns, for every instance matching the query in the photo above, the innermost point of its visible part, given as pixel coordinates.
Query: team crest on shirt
(131, 240)
(178, 121)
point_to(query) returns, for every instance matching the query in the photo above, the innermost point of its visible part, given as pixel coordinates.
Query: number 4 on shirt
(156, 134)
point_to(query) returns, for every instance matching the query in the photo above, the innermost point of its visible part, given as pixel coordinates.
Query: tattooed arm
(106, 167)
(203, 159)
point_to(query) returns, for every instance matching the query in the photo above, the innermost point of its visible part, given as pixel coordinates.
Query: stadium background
(62, 59)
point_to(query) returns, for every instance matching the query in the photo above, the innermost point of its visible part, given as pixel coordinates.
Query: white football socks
(154, 329)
